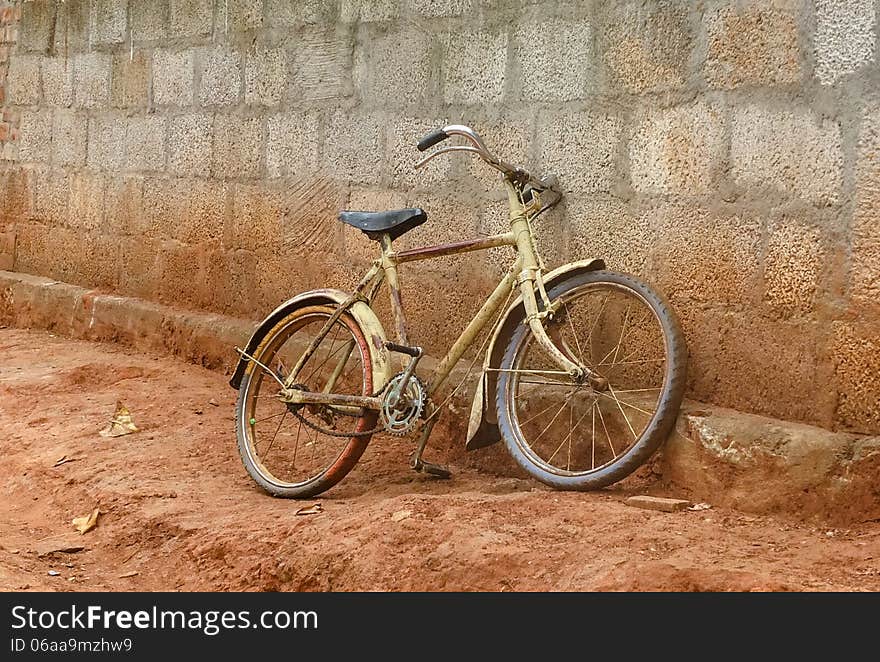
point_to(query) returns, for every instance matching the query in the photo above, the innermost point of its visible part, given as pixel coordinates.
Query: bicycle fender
(483, 424)
(363, 314)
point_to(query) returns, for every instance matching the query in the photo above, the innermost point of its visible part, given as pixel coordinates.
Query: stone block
(189, 144)
(220, 71)
(257, 213)
(173, 77)
(865, 279)
(265, 76)
(86, 201)
(367, 11)
(237, 146)
(354, 148)
(658, 503)
(36, 26)
(440, 8)
(795, 153)
(191, 18)
(292, 144)
(845, 38)
(239, 15)
(23, 80)
(320, 66)
(130, 80)
(108, 22)
(757, 44)
(793, 264)
(856, 358)
(396, 69)
(560, 51)
(107, 143)
(580, 148)
(474, 67)
(57, 78)
(51, 197)
(69, 136)
(149, 19)
(403, 135)
(35, 137)
(677, 150)
(646, 46)
(91, 80)
(145, 143)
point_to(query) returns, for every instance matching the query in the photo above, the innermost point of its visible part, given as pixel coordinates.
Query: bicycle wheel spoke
(605, 427)
(628, 404)
(573, 333)
(296, 444)
(555, 416)
(272, 442)
(548, 408)
(625, 417)
(593, 434)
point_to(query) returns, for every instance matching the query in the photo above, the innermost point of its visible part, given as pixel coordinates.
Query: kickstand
(418, 464)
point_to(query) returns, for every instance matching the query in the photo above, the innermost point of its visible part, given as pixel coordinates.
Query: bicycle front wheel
(574, 436)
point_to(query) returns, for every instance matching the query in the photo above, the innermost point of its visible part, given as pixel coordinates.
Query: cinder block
(845, 37)
(16, 205)
(221, 74)
(320, 66)
(645, 46)
(91, 80)
(35, 28)
(239, 15)
(51, 197)
(145, 143)
(187, 210)
(677, 150)
(86, 201)
(367, 11)
(124, 207)
(149, 19)
(57, 77)
(23, 80)
(866, 212)
(310, 227)
(107, 143)
(35, 137)
(395, 68)
(474, 67)
(580, 149)
(403, 135)
(189, 144)
(792, 152)
(433, 8)
(302, 12)
(606, 227)
(72, 27)
(257, 213)
(292, 147)
(757, 44)
(265, 76)
(130, 80)
(354, 148)
(560, 51)
(173, 77)
(108, 21)
(69, 134)
(237, 146)
(856, 357)
(792, 266)
(191, 18)
(7, 250)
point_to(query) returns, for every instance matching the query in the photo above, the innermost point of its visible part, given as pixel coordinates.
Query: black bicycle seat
(376, 223)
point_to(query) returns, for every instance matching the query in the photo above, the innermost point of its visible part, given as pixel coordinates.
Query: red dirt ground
(179, 510)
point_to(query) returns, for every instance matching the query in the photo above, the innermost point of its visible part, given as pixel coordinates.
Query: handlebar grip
(436, 136)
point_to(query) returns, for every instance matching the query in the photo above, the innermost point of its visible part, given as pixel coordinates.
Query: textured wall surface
(196, 152)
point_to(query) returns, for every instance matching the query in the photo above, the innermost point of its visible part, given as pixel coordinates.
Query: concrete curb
(720, 456)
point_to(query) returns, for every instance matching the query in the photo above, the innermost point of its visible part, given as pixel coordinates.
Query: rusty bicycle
(583, 368)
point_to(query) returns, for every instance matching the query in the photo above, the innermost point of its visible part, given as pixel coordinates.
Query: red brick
(658, 503)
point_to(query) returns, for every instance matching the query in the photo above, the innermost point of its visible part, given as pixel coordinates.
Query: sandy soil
(180, 513)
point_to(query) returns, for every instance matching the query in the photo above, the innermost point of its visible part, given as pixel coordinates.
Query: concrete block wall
(196, 152)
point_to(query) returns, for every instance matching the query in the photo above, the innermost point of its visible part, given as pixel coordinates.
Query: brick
(403, 134)
(108, 21)
(753, 45)
(130, 80)
(86, 201)
(107, 143)
(792, 152)
(792, 267)
(856, 359)
(433, 8)
(189, 144)
(265, 76)
(57, 79)
(474, 67)
(321, 67)
(580, 149)
(23, 80)
(148, 19)
(845, 38)
(677, 150)
(51, 196)
(221, 73)
(396, 69)
(866, 212)
(237, 146)
(303, 12)
(91, 80)
(37, 24)
(658, 503)
(173, 77)
(645, 47)
(191, 18)
(238, 15)
(257, 213)
(35, 143)
(292, 147)
(367, 11)
(145, 143)
(354, 148)
(69, 134)
(540, 49)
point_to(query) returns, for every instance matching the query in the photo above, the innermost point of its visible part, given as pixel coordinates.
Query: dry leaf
(310, 510)
(53, 573)
(120, 424)
(400, 515)
(700, 506)
(86, 522)
(64, 460)
(124, 575)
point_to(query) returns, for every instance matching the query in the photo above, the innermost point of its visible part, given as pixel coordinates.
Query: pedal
(433, 469)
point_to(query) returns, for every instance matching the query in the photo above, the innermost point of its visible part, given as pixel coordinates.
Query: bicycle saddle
(376, 223)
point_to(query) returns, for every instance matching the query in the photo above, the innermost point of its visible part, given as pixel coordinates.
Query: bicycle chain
(331, 433)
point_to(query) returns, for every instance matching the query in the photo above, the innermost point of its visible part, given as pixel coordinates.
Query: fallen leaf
(125, 575)
(213, 402)
(53, 573)
(700, 506)
(120, 424)
(86, 522)
(400, 515)
(310, 510)
(64, 460)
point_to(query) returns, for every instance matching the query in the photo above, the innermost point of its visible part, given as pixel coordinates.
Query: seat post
(390, 267)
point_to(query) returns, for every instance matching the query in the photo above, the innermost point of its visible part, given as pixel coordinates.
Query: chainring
(401, 419)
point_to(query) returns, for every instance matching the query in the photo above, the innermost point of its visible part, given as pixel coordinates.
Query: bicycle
(603, 348)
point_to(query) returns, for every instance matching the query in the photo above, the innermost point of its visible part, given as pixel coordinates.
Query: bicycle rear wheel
(576, 437)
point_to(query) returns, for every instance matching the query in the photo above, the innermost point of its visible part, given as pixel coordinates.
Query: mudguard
(366, 318)
(483, 423)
